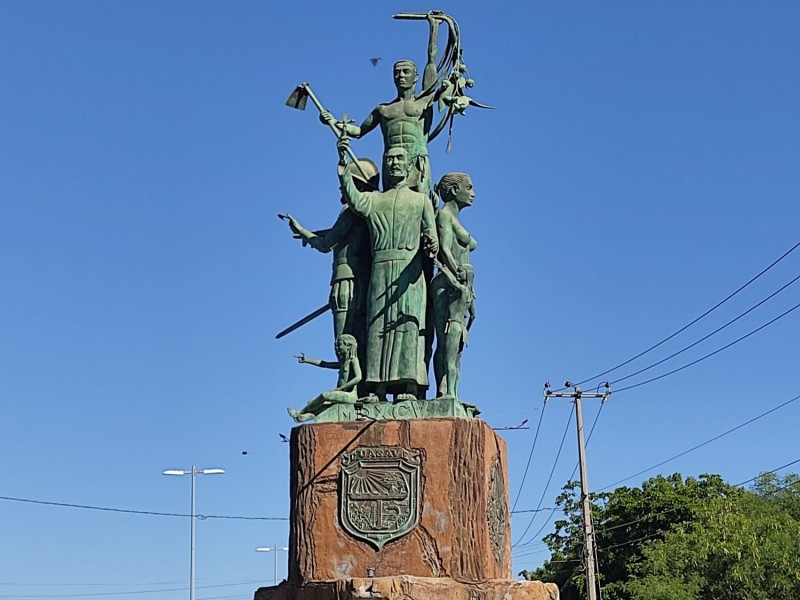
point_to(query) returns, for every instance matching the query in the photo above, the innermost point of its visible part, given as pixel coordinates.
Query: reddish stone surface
(453, 539)
(405, 587)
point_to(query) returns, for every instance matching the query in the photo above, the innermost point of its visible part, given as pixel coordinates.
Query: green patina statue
(385, 298)
(401, 222)
(451, 303)
(453, 337)
(349, 378)
(405, 121)
(348, 238)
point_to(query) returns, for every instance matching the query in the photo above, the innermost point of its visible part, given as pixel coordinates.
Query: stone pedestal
(416, 588)
(399, 510)
(423, 497)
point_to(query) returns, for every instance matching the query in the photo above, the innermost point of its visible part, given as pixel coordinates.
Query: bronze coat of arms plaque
(379, 493)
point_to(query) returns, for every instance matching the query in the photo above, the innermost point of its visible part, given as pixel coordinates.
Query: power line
(701, 444)
(530, 510)
(138, 512)
(710, 354)
(549, 479)
(605, 529)
(666, 512)
(692, 322)
(554, 509)
(530, 456)
(775, 470)
(126, 593)
(705, 337)
(671, 510)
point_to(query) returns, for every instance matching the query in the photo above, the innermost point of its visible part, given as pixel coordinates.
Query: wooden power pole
(586, 506)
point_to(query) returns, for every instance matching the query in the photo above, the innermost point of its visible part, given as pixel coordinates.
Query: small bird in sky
(374, 61)
(283, 438)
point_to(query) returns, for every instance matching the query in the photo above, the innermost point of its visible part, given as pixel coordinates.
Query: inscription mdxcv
(379, 493)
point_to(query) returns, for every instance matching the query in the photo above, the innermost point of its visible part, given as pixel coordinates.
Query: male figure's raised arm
(316, 240)
(429, 75)
(360, 202)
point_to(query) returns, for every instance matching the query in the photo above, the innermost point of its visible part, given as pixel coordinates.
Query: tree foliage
(683, 539)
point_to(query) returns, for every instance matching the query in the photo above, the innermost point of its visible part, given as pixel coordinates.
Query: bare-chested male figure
(405, 121)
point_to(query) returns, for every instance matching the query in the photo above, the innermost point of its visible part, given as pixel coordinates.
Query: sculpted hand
(326, 118)
(431, 246)
(343, 145)
(293, 224)
(301, 358)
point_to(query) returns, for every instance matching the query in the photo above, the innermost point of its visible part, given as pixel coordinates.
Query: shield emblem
(379, 493)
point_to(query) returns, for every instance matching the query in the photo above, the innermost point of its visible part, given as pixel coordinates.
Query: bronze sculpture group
(401, 263)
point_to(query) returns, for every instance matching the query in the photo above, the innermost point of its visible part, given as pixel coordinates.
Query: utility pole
(586, 506)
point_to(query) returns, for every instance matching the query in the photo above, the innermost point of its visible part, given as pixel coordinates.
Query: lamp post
(193, 471)
(273, 549)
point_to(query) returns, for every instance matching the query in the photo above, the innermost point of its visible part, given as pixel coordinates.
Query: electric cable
(138, 512)
(710, 354)
(695, 320)
(549, 479)
(530, 456)
(600, 530)
(775, 470)
(749, 421)
(671, 510)
(126, 593)
(705, 337)
(701, 444)
(554, 509)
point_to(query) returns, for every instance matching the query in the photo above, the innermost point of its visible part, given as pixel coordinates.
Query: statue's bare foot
(299, 416)
(404, 397)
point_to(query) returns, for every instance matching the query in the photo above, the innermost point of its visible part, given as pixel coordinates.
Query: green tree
(626, 520)
(746, 546)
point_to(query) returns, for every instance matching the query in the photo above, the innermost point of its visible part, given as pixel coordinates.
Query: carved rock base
(419, 497)
(404, 587)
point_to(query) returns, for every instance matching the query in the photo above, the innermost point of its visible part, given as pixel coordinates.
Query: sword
(310, 317)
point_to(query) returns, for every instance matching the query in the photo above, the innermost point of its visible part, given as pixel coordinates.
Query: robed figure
(402, 226)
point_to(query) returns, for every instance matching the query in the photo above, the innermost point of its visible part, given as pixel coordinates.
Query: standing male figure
(402, 225)
(405, 121)
(349, 240)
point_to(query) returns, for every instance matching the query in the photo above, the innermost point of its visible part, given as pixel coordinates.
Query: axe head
(298, 98)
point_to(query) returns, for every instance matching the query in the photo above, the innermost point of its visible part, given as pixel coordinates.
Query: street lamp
(193, 471)
(273, 549)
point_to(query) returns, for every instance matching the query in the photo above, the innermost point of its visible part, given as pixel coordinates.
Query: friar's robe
(396, 300)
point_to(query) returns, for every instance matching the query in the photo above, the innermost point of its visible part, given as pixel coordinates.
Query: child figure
(462, 306)
(349, 378)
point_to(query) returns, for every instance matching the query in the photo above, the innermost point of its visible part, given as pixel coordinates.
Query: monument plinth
(421, 497)
(404, 587)
(400, 509)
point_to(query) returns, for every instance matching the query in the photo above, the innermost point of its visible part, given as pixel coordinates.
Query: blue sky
(642, 164)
